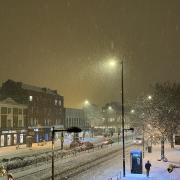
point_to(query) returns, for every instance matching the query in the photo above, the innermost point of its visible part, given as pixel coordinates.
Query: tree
(160, 115)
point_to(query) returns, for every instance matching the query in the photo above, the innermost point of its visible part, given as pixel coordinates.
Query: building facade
(13, 118)
(112, 116)
(45, 107)
(75, 118)
(93, 115)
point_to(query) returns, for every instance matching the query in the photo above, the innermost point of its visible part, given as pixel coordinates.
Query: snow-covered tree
(158, 115)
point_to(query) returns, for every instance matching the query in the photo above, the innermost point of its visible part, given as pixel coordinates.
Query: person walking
(147, 166)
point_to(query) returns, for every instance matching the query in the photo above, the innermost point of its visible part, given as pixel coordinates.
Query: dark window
(9, 123)
(15, 121)
(20, 111)
(20, 123)
(3, 121)
(25, 112)
(3, 110)
(15, 110)
(9, 110)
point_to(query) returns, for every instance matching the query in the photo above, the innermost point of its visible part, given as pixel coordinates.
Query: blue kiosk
(136, 162)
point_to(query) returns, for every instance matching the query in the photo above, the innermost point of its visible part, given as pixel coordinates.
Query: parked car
(108, 141)
(75, 144)
(87, 145)
(138, 141)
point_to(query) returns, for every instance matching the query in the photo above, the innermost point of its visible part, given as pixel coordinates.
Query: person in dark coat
(147, 166)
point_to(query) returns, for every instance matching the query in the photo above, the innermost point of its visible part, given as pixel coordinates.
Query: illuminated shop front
(12, 137)
(40, 133)
(13, 119)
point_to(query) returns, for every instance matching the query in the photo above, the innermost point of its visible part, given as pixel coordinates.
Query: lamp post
(112, 64)
(122, 96)
(70, 130)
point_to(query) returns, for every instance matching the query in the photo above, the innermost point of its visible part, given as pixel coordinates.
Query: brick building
(45, 107)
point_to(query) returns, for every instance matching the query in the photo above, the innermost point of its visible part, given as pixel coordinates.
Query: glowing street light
(86, 102)
(149, 97)
(112, 62)
(109, 108)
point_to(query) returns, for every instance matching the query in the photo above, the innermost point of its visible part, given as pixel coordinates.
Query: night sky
(65, 44)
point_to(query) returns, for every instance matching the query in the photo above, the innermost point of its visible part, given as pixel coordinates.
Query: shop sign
(23, 131)
(9, 132)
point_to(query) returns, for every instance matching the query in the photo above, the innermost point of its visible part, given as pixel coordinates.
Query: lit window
(30, 98)
(56, 101)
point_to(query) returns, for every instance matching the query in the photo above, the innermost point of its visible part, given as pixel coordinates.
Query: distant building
(93, 115)
(45, 107)
(112, 116)
(13, 120)
(75, 118)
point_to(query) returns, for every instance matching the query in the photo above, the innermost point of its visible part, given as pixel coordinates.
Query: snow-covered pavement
(112, 170)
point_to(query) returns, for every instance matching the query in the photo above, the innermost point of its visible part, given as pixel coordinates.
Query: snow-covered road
(112, 169)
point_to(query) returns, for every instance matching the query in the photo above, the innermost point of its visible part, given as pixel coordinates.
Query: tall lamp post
(112, 64)
(122, 89)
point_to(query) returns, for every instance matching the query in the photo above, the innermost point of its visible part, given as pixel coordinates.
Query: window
(9, 123)
(2, 140)
(30, 98)
(15, 111)
(56, 101)
(32, 122)
(111, 119)
(20, 111)
(15, 138)
(9, 139)
(25, 112)
(20, 123)
(59, 102)
(3, 121)
(21, 138)
(3, 110)
(15, 121)
(9, 110)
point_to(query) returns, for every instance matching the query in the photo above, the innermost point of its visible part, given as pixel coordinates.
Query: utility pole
(122, 86)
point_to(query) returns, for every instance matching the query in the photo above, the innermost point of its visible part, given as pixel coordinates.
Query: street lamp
(69, 130)
(86, 102)
(149, 97)
(110, 108)
(112, 63)
(122, 96)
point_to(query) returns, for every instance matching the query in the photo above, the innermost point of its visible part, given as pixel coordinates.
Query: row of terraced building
(27, 110)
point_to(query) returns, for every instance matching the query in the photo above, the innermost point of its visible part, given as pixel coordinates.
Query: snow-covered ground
(112, 170)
